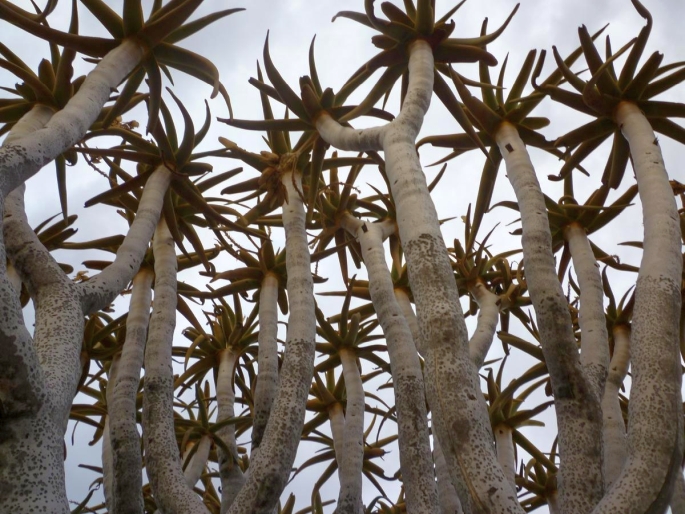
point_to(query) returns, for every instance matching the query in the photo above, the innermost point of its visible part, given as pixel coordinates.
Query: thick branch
(594, 338)
(232, 478)
(267, 358)
(58, 334)
(415, 453)
(614, 430)
(350, 466)
(577, 406)
(655, 424)
(122, 409)
(25, 156)
(98, 292)
(269, 469)
(162, 460)
(488, 316)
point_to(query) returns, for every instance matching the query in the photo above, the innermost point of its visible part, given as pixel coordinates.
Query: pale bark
(460, 414)
(655, 423)
(350, 466)
(198, 462)
(678, 498)
(506, 452)
(594, 338)
(267, 358)
(14, 278)
(577, 406)
(614, 431)
(448, 498)
(163, 463)
(107, 459)
(26, 155)
(336, 418)
(107, 467)
(123, 427)
(59, 320)
(32, 472)
(270, 468)
(486, 327)
(232, 478)
(100, 290)
(415, 454)
(447, 494)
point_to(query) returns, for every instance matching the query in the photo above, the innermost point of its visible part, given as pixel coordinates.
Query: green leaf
(197, 25)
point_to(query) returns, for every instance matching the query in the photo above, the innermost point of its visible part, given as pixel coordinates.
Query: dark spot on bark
(18, 393)
(509, 147)
(564, 391)
(364, 229)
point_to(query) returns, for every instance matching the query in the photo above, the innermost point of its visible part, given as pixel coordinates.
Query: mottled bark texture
(47, 369)
(416, 465)
(163, 463)
(32, 471)
(267, 358)
(352, 451)
(270, 468)
(22, 159)
(577, 405)
(655, 422)
(460, 415)
(232, 478)
(614, 430)
(594, 338)
(123, 427)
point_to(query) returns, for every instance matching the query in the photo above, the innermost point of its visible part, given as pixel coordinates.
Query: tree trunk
(162, 460)
(655, 423)
(577, 407)
(269, 470)
(267, 358)
(123, 427)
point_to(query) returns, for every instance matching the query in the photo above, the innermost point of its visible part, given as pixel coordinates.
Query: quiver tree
(224, 406)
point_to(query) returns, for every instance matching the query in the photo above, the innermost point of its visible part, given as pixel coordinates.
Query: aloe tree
(225, 406)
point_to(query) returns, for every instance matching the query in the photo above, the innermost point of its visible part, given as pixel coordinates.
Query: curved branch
(267, 357)
(123, 428)
(271, 466)
(99, 291)
(655, 424)
(162, 460)
(577, 406)
(26, 155)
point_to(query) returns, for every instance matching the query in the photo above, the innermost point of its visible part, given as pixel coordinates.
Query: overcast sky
(235, 45)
